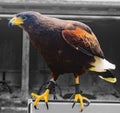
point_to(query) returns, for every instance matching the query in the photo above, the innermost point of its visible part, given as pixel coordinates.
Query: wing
(83, 39)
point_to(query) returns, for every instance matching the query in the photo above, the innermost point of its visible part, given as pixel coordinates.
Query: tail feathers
(101, 65)
(108, 76)
(103, 68)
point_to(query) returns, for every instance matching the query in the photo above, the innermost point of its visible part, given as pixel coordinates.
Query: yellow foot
(80, 98)
(44, 97)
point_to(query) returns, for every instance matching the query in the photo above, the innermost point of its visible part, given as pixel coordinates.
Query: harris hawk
(67, 46)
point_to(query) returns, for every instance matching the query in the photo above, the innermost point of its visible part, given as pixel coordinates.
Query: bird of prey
(68, 47)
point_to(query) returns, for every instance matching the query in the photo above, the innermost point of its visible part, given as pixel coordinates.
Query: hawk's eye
(24, 18)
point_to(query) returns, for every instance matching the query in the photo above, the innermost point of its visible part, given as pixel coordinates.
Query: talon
(81, 110)
(47, 106)
(38, 98)
(80, 98)
(73, 104)
(36, 107)
(87, 103)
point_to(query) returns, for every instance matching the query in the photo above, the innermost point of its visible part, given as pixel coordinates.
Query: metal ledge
(81, 7)
(66, 106)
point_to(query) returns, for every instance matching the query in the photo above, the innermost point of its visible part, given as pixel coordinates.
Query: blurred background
(17, 82)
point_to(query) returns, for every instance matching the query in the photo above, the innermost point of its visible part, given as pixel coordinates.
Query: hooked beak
(15, 21)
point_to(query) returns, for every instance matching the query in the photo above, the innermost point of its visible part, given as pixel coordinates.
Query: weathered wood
(25, 66)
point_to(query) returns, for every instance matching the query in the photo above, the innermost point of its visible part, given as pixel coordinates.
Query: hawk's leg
(78, 96)
(45, 95)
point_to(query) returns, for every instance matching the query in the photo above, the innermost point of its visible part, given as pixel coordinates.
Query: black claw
(73, 104)
(87, 103)
(81, 110)
(47, 106)
(36, 107)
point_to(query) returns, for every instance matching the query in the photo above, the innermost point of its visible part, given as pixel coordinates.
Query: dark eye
(24, 18)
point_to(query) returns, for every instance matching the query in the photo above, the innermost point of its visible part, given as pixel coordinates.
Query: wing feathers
(83, 41)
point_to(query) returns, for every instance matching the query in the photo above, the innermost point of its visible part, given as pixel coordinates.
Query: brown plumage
(67, 46)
